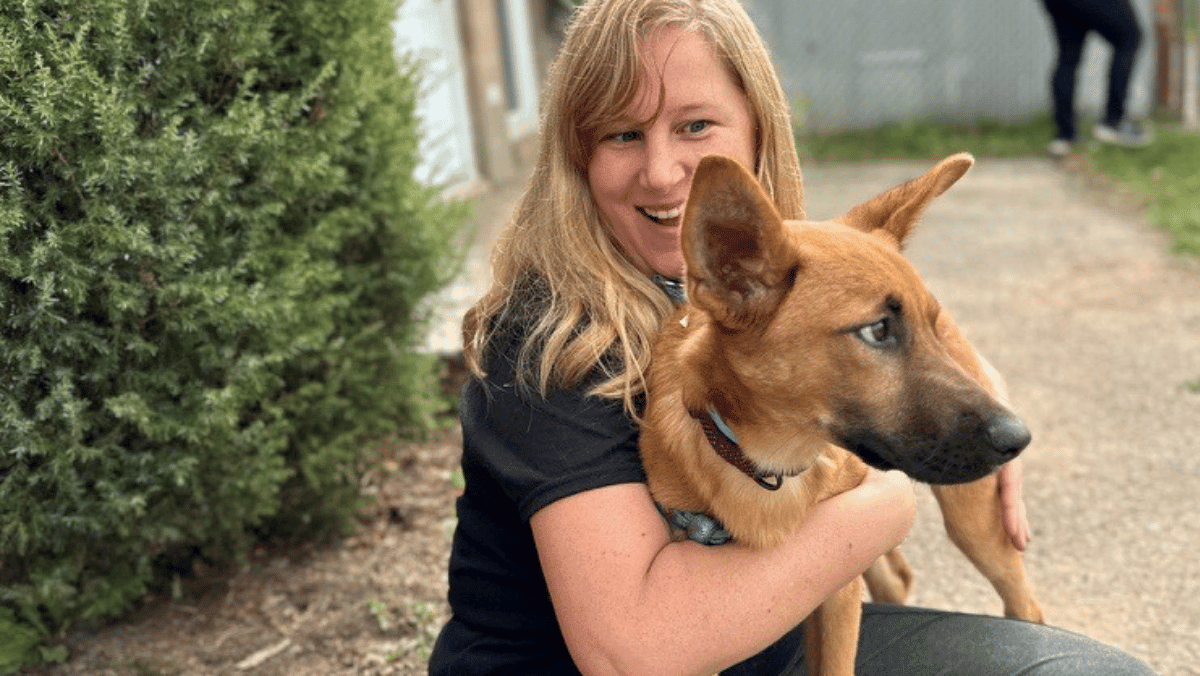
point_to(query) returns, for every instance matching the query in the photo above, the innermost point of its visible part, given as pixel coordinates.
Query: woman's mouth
(662, 215)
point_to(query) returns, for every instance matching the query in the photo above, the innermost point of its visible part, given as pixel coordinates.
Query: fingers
(1012, 504)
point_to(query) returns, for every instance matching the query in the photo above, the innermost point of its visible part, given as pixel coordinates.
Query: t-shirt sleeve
(541, 449)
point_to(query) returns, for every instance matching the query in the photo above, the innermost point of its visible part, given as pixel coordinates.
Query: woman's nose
(665, 166)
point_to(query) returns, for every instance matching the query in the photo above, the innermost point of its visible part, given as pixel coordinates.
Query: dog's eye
(878, 334)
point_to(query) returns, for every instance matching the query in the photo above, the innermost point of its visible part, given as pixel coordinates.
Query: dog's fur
(819, 345)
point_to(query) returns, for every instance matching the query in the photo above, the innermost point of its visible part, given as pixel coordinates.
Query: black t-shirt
(522, 452)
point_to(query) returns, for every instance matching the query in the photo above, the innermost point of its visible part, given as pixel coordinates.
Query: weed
(383, 616)
(423, 620)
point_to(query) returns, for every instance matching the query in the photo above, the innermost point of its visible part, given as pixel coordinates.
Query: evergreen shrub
(212, 259)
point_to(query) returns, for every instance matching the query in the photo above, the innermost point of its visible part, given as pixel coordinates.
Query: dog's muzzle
(970, 451)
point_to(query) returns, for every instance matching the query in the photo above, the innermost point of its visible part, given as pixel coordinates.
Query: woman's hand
(1010, 476)
(897, 503)
(1012, 504)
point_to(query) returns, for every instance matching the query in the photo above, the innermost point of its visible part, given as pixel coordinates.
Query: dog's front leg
(976, 526)
(831, 632)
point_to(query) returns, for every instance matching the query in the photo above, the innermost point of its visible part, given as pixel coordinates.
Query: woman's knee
(916, 641)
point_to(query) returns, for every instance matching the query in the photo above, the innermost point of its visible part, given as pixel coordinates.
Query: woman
(561, 563)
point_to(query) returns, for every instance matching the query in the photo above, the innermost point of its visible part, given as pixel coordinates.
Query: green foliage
(212, 258)
(929, 141)
(18, 642)
(1165, 173)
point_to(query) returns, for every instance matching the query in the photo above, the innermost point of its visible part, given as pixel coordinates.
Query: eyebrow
(695, 107)
(689, 109)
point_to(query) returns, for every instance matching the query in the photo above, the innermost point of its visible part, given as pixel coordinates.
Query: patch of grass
(140, 666)
(929, 141)
(1167, 174)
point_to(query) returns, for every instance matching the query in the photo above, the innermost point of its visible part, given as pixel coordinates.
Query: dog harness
(699, 526)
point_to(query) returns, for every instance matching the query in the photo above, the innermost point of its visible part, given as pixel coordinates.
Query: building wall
(479, 92)
(862, 63)
(427, 31)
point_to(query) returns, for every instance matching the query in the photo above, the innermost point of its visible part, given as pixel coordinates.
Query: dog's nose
(1008, 435)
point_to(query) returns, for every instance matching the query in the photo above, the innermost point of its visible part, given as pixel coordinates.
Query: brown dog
(807, 349)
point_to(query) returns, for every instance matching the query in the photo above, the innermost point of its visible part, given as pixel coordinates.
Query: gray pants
(898, 640)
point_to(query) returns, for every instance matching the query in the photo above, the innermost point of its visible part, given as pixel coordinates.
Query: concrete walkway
(1096, 326)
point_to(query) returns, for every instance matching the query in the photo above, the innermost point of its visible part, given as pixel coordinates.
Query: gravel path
(1095, 324)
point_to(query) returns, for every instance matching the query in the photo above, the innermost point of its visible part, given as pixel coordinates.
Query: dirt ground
(369, 605)
(1071, 293)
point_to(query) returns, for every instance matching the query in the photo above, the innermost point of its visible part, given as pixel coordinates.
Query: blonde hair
(556, 262)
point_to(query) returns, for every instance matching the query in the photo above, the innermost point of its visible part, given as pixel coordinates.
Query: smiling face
(641, 167)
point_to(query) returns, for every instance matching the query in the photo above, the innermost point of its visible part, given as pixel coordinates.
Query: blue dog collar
(722, 425)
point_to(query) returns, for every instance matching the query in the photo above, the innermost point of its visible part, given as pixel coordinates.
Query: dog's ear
(896, 211)
(739, 265)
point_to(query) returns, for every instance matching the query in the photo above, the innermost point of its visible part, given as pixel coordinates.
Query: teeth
(663, 215)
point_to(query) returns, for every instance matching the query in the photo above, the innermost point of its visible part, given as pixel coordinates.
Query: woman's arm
(631, 601)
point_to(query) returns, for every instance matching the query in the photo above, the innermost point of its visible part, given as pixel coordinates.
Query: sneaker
(1061, 147)
(1128, 134)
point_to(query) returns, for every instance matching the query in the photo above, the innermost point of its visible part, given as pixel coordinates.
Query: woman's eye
(697, 126)
(624, 136)
(878, 334)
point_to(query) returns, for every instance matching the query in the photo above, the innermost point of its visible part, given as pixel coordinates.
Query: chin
(669, 268)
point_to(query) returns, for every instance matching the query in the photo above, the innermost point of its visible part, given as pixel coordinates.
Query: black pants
(899, 640)
(1117, 23)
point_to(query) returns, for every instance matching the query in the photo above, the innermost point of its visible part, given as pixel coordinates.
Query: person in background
(561, 564)
(1117, 23)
